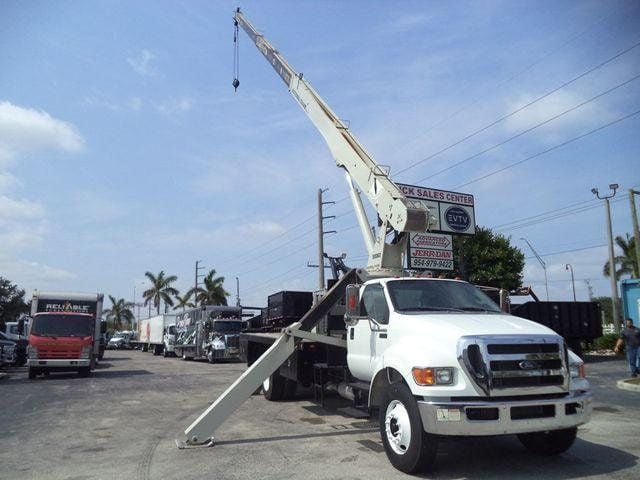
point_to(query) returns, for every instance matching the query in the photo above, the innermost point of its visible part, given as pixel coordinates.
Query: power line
(504, 117)
(555, 147)
(530, 129)
(514, 76)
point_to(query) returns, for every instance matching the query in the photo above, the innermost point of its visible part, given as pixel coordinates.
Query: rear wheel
(273, 387)
(32, 373)
(84, 371)
(409, 448)
(211, 357)
(290, 388)
(552, 442)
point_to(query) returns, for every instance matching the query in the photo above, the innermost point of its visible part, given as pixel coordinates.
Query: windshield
(226, 326)
(63, 325)
(438, 295)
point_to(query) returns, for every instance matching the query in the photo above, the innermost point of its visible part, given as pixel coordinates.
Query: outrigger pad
(184, 444)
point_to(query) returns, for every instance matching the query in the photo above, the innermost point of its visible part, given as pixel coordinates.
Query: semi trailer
(157, 334)
(431, 357)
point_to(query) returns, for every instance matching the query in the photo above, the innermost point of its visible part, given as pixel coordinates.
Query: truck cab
(61, 341)
(441, 357)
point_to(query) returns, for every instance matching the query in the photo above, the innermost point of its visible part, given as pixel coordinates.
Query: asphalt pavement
(122, 422)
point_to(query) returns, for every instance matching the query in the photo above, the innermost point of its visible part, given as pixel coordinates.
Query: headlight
(427, 376)
(86, 351)
(32, 352)
(576, 366)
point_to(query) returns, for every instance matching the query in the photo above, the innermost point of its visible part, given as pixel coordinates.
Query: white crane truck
(434, 357)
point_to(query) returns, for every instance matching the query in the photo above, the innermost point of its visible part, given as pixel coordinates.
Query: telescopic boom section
(392, 206)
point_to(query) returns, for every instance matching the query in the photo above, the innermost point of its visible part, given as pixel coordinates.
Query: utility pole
(634, 219)
(197, 276)
(321, 233)
(589, 289)
(544, 266)
(237, 292)
(573, 281)
(612, 265)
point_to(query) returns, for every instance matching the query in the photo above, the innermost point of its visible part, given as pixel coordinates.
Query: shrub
(605, 342)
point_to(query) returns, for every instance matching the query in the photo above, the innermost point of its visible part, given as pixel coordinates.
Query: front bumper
(59, 362)
(504, 417)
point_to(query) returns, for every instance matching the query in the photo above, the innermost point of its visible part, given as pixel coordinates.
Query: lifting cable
(236, 57)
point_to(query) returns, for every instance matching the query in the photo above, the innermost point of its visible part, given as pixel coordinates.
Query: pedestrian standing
(630, 337)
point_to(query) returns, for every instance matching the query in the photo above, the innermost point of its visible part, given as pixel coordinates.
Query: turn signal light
(424, 376)
(432, 376)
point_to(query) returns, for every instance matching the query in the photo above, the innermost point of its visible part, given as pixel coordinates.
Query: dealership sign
(452, 211)
(431, 251)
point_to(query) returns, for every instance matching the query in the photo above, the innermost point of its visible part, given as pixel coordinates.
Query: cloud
(408, 22)
(144, 63)
(25, 130)
(556, 104)
(30, 274)
(11, 209)
(174, 107)
(8, 181)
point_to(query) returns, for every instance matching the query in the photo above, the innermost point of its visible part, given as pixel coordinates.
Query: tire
(290, 388)
(184, 356)
(210, 357)
(552, 442)
(32, 373)
(101, 355)
(84, 371)
(409, 448)
(273, 387)
(158, 349)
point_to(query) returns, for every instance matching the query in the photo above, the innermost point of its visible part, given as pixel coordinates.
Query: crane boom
(393, 208)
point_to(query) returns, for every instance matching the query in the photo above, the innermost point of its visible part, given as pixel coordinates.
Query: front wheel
(409, 448)
(84, 371)
(552, 442)
(273, 387)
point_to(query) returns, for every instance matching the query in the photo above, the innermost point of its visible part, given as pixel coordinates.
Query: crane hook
(236, 84)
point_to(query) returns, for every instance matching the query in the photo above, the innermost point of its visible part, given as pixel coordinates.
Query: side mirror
(353, 313)
(375, 326)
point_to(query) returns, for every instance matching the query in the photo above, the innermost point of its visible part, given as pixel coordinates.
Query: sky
(124, 148)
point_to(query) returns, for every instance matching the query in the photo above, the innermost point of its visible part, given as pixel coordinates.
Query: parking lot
(122, 422)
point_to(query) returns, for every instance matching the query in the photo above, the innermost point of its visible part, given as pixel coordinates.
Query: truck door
(367, 340)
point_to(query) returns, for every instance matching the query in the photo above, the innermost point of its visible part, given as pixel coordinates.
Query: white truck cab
(442, 359)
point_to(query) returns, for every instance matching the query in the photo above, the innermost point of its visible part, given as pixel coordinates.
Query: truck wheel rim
(266, 384)
(397, 427)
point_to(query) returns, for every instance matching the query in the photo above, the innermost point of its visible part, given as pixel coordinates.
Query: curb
(631, 384)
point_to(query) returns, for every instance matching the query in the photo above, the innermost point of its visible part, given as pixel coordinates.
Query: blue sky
(123, 147)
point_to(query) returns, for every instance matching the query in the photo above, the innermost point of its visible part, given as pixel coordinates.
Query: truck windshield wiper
(430, 309)
(477, 309)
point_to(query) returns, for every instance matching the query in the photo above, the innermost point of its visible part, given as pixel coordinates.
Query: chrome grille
(508, 365)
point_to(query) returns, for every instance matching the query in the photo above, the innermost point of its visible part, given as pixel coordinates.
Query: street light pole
(612, 265)
(573, 282)
(636, 230)
(544, 266)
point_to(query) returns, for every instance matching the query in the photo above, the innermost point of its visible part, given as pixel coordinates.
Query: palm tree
(183, 301)
(625, 263)
(119, 312)
(213, 292)
(161, 290)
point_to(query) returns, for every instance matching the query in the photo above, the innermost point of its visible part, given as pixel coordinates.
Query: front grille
(54, 354)
(505, 348)
(509, 365)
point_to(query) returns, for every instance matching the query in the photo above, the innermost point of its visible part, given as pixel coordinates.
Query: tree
(213, 292)
(183, 301)
(161, 290)
(488, 259)
(605, 306)
(12, 303)
(119, 312)
(625, 264)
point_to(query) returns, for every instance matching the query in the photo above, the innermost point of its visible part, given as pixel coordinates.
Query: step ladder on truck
(434, 357)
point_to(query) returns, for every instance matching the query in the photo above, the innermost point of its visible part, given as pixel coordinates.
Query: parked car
(120, 340)
(19, 350)
(7, 351)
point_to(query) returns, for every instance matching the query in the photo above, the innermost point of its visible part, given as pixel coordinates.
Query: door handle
(383, 335)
